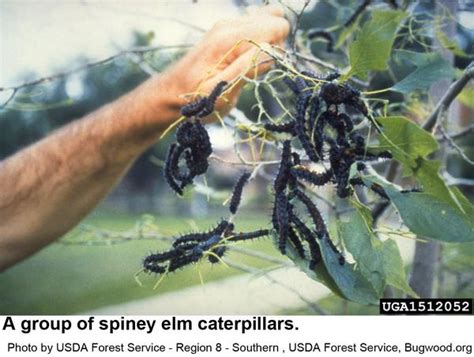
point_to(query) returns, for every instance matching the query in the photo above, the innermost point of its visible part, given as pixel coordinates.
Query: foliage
(431, 67)
(372, 47)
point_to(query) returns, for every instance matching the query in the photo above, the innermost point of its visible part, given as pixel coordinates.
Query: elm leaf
(380, 262)
(349, 279)
(434, 69)
(405, 140)
(430, 215)
(373, 45)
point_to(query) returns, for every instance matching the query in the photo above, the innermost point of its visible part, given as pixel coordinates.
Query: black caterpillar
(315, 33)
(237, 192)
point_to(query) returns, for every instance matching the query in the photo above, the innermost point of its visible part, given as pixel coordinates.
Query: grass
(68, 279)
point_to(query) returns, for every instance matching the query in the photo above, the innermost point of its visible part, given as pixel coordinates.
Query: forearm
(50, 186)
(47, 188)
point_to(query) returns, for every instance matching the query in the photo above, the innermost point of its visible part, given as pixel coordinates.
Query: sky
(44, 36)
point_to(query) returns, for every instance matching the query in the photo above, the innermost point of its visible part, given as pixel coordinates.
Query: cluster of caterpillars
(326, 134)
(192, 147)
(190, 248)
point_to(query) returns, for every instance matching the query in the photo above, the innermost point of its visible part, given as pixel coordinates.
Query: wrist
(164, 99)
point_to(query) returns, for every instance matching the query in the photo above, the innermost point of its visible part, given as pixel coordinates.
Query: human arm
(49, 187)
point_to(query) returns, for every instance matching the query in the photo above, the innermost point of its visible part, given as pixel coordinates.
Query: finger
(249, 64)
(271, 30)
(274, 10)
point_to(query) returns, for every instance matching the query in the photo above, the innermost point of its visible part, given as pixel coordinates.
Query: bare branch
(127, 52)
(466, 132)
(452, 92)
(455, 146)
(296, 25)
(457, 181)
(320, 62)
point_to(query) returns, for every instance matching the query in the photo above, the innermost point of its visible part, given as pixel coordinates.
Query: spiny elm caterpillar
(317, 179)
(202, 107)
(315, 33)
(237, 192)
(281, 128)
(308, 236)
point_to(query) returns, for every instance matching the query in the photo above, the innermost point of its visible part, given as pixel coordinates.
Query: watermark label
(425, 306)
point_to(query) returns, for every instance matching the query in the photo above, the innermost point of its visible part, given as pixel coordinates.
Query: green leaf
(350, 281)
(406, 141)
(380, 262)
(458, 257)
(371, 50)
(414, 58)
(346, 32)
(365, 248)
(429, 214)
(466, 206)
(427, 73)
(344, 281)
(427, 173)
(394, 270)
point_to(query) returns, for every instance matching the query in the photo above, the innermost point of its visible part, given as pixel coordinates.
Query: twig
(455, 146)
(135, 58)
(260, 255)
(453, 91)
(360, 9)
(468, 131)
(217, 158)
(320, 62)
(296, 25)
(136, 51)
(457, 181)
(316, 60)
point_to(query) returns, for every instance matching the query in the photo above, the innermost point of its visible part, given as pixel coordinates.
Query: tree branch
(452, 92)
(457, 181)
(127, 52)
(466, 132)
(455, 146)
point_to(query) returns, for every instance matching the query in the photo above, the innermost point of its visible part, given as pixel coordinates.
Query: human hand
(225, 54)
